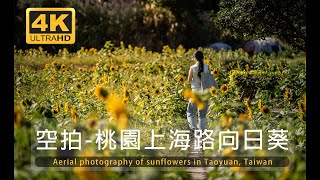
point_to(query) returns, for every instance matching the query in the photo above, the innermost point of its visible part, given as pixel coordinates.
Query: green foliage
(251, 81)
(264, 18)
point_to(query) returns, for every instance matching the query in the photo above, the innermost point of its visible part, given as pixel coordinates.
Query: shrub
(246, 83)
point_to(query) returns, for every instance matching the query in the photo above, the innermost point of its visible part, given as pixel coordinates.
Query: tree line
(155, 23)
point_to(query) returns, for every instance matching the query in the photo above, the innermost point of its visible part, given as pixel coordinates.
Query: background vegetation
(173, 22)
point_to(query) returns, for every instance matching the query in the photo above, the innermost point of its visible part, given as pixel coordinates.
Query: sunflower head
(215, 72)
(213, 91)
(166, 88)
(180, 78)
(187, 93)
(101, 92)
(54, 63)
(92, 123)
(226, 121)
(112, 68)
(63, 66)
(228, 152)
(116, 107)
(243, 117)
(47, 66)
(157, 91)
(265, 110)
(105, 78)
(224, 88)
(51, 80)
(23, 103)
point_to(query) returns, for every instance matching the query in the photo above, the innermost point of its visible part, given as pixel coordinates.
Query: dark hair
(199, 57)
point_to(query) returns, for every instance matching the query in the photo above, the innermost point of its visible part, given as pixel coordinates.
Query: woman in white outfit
(194, 80)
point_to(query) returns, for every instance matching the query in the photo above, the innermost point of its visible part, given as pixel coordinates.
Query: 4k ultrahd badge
(50, 26)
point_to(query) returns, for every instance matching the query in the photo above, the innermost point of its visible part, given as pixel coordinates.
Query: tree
(285, 20)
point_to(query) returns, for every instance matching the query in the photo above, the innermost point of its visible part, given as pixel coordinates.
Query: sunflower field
(129, 87)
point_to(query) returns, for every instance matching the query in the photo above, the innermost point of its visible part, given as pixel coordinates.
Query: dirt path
(197, 173)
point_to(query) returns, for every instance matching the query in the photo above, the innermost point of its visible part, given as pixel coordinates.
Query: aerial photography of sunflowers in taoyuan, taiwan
(127, 72)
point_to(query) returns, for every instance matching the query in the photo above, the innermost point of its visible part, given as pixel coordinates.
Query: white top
(196, 83)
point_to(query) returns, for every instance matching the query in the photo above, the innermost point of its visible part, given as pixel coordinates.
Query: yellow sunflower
(51, 80)
(265, 110)
(243, 117)
(105, 78)
(215, 72)
(180, 78)
(228, 152)
(116, 107)
(92, 123)
(112, 68)
(63, 66)
(226, 121)
(213, 91)
(101, 92)
(156, 91)
(23, 104)
(47, 66)
(167, 89)
(188, 94)
(224, 88)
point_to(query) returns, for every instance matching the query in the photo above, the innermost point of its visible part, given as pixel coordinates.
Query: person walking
(195, 80)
